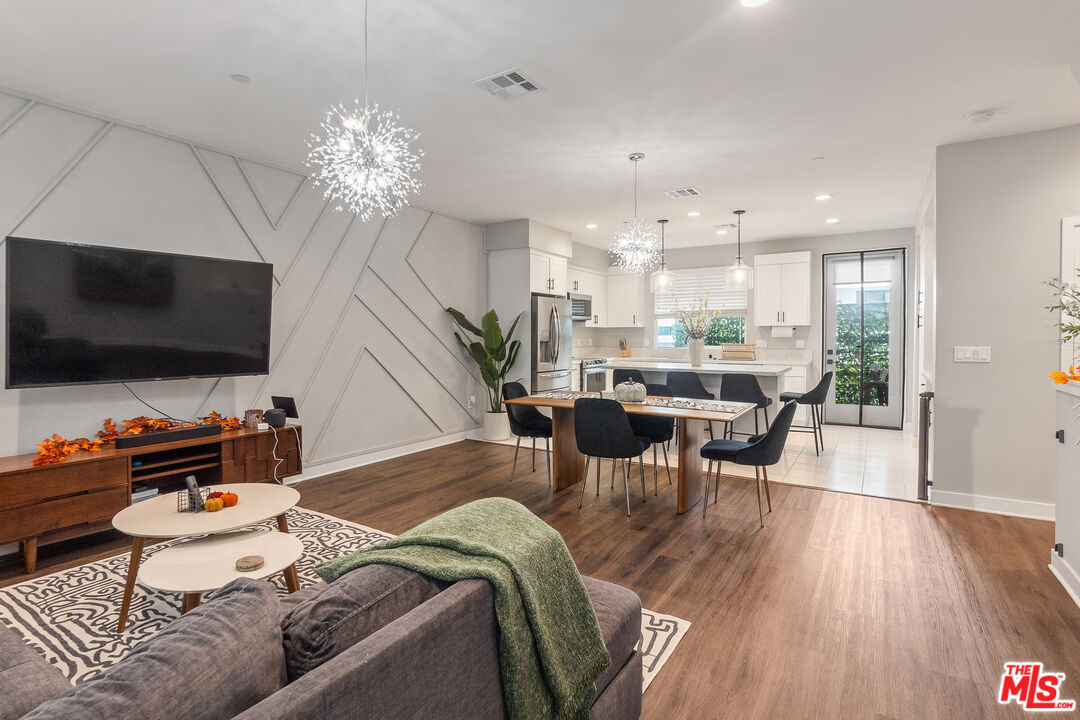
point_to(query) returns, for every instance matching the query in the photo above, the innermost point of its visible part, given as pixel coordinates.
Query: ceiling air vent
(682, 193)
(507, 85)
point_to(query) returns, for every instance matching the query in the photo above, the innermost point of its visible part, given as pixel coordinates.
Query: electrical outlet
(971, 354)
(472, 401)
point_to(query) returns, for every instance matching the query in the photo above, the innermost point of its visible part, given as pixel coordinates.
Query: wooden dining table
(694, 416)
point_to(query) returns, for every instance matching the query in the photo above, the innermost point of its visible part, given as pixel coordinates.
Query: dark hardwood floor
(844, 606)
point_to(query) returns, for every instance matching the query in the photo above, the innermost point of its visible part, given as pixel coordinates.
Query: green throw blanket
(550, 647)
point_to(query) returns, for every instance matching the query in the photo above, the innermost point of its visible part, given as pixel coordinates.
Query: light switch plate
(971, 354)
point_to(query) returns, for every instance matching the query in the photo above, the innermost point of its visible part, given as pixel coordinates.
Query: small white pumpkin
(630, 392)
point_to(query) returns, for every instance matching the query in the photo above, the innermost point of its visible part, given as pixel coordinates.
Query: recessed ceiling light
(721, 232)
(823, 196)
(693, 213)
(242, 79)
(832, 221)
(980, 116)
(590, 226)
(753, 3)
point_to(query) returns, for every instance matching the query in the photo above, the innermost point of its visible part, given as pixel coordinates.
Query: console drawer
(33, 486)
(44, 517)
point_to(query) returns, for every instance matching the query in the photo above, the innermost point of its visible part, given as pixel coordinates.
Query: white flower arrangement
(697, 317)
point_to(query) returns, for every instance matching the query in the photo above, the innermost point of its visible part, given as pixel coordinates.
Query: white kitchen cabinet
(547, 273)
(594, 284)
(625, 301)
(782, 289)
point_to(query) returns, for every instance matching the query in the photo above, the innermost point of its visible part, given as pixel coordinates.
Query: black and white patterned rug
(70, 616)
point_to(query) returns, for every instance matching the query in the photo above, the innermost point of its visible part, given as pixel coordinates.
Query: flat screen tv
(86, 314)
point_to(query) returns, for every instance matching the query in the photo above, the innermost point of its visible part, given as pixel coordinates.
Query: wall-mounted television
(85, 314)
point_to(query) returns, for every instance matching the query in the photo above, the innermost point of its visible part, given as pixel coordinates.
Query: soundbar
(164, 436)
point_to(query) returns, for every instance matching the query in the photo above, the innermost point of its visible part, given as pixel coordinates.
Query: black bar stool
(688, 384)
(659, 431)
(527, 421)
(759, 451)
(744, 387)
(621, 375)
(603, 430)
(815, 399)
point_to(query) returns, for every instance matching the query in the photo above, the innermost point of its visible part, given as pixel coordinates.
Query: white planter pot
(697, 352)
(496, 426)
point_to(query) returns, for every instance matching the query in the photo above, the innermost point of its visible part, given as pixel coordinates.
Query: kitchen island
(769, 375)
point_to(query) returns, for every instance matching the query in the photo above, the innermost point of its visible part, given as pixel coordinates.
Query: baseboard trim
(1065, 574)
(335, 466)
(990, 504)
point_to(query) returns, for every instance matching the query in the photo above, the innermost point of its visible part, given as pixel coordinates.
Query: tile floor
(860, 460)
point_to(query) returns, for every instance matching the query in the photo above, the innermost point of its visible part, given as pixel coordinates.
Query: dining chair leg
(757, 484)
(641, 467)
(598, 461)
(716, 487)
(821, 431)
(765, 477)
(613, 464)
(626, 486)
(547, 448)
(756, 431)
(705, 497)
(710, 431)
(667, 465)
(534, 455)
(766, 409)
(814, 425)
(583, 476)
(655, 489)
(513, 468)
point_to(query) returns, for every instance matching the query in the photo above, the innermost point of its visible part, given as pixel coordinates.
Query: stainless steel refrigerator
(552, 342)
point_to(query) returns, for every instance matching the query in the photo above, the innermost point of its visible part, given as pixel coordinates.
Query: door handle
(558, 332)
(777, 316)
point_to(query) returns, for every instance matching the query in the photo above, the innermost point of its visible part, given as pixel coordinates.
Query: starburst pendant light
(740, 276)
(363, 159)
(634, 246)
(663, 280)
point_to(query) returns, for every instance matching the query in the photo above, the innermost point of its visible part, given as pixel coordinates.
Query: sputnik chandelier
(363, 159)
(634, 245)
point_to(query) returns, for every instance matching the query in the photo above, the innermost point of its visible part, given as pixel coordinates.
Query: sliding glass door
(864, 337)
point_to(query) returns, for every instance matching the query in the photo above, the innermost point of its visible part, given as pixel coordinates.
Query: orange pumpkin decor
(56, 449)
(213, 504)
(230, 499)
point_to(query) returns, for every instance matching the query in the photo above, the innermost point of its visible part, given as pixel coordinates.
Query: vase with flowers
(1067, 303)
(696, 319)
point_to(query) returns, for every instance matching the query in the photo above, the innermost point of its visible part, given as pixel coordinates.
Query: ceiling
(731, 100)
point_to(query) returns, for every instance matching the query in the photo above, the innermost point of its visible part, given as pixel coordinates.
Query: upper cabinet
(594, 284)
(625, 300)
(782, 289)
(547, 273)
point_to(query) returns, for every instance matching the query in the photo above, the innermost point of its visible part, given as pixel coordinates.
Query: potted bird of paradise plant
(494, 353)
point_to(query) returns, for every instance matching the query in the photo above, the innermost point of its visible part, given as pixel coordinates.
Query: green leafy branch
(492, 351)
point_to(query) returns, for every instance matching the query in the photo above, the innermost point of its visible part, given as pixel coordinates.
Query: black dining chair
(744, 387)
(621, 375)
(759, 451)
(602, 430)
(815, 399)
(659, 431)
(686, 384)
(527, 421)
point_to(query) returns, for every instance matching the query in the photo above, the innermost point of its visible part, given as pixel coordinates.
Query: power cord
(159, 412)
(278, 461)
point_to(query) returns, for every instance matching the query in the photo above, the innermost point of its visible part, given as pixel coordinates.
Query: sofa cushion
(348, 610)
(26, 678)
(618, 611)
(213, 663)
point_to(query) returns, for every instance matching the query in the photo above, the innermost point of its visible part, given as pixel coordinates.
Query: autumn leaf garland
(57, 449)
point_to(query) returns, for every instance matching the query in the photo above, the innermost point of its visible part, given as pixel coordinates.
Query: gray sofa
(380, 642)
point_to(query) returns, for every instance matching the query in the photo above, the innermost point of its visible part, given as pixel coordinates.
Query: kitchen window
(730, 327)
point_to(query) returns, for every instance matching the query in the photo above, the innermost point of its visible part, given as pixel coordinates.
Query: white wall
(359, 334)
(999, 205)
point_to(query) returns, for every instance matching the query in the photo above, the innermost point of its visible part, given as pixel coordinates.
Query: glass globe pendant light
(633, 246)
(363, 159)
(740, 276)
(663, 280)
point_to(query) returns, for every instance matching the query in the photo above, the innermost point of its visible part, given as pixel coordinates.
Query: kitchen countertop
(708, 368)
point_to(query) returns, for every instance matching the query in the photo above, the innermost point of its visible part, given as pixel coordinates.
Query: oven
(594, 375)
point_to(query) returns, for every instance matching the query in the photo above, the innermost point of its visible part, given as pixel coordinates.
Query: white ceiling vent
(507, 85)
(682, 193)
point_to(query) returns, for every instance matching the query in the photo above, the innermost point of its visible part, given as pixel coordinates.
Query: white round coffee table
(159, 518)
(204, 564)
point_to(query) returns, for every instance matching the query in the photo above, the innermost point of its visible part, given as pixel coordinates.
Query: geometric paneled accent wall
(359, 335)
